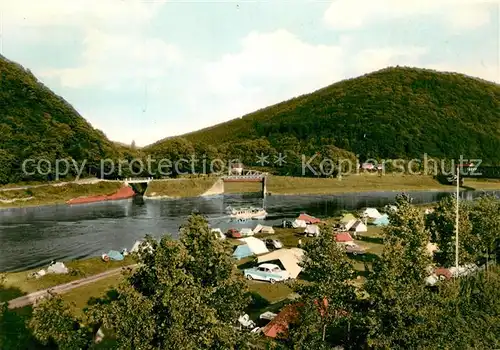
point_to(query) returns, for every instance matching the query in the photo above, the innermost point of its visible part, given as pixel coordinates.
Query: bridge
(246, 176)
(138, 180)
(249, 176)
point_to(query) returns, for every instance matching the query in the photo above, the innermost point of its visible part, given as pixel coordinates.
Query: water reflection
(33, 237)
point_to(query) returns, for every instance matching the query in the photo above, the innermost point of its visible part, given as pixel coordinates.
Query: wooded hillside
(35, 123)
(392, 113)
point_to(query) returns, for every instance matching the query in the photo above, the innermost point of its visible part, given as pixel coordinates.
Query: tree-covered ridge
(35, 123)
(392, 113)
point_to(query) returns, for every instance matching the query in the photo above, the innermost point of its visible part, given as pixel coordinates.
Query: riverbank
(179, 188)
(284, 185)
(55, 194)
(17, 284)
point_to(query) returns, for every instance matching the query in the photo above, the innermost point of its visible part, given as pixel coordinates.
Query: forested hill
(35, 123)
(391, 113)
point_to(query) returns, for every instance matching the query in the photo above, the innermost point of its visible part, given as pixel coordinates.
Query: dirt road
(62, 288)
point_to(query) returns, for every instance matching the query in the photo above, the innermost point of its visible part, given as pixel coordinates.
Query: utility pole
(457, 217)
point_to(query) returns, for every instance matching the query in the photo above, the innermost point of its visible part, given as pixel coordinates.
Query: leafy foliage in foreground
(389, 114)
(187, 294)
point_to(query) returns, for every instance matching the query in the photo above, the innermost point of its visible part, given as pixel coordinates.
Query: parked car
(234, 233)
(273, 243)
(354, 249)
(267, 272)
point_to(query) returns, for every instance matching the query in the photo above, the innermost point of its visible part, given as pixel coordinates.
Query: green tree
(53, 323)
(328, 298)
(186, 294)
(485, 218)
(442, 225)
(398, 315)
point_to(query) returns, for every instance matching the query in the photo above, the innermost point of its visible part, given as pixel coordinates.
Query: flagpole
(457, 217)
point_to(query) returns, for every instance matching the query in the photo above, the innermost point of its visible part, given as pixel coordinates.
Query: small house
(251, 246)
(359, 226)
(308, 219)
(312, 230)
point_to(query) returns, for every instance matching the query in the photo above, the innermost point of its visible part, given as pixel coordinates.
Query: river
(32, 237)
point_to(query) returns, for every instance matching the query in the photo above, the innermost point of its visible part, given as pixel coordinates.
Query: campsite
(273, 302)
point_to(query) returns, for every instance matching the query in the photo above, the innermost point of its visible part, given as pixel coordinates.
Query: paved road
(62, 288)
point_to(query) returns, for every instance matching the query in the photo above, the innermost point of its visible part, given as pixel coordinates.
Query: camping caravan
(312, 230)
(251, 246)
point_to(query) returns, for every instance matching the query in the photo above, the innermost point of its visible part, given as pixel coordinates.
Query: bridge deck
(243, 179)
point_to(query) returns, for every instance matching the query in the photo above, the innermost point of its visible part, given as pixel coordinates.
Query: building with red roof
(278, 327)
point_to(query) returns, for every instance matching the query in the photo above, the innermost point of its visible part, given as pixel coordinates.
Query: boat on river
(247, 213)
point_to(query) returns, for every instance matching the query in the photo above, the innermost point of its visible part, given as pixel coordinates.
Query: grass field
(302, 185)
(189, 187)
(54, 194)
(19, 284)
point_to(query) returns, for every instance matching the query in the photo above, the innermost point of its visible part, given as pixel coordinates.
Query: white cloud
(109, 60)
(273, 67)
(278, 56)
(85, 13)
(115, 49)
(353, 14)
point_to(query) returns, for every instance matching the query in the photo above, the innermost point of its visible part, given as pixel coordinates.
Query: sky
(146, 70)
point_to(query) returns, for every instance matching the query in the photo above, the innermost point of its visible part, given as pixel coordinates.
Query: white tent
(263, 229)
(57, 267)
(137, 245)
(299, 223)
(371, 213)
(218, 233)
(359, 226)
(256, 245)
(289, 258)
(246, 232)
(312, 230)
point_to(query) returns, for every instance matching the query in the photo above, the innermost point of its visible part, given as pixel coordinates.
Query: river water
(32, 237)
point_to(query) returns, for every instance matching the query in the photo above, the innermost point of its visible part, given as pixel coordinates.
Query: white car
(267, 272)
